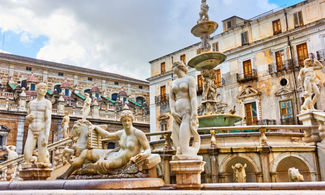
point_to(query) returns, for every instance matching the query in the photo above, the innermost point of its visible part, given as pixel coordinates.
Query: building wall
(261, 51)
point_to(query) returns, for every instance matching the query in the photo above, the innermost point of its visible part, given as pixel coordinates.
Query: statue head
(66, 113)
(87, 95)
(127, 118)
(179, 66)
(41, 89)
(308, 62)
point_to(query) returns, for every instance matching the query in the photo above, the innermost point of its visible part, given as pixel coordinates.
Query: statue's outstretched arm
(106, 134)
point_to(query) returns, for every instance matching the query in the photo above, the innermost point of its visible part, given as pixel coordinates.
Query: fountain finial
(204, 12)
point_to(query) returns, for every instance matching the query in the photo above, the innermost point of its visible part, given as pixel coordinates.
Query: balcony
(161, 100)
(245, 77)
(289, 65)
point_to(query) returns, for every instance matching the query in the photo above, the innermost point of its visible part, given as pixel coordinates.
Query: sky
(109, 35)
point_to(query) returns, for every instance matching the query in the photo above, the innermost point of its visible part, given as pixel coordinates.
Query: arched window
(32, 87)
(87, 91)
(24, 84)
(124, 99)
(57, 88)
(97, 95)
(139, 100)
(66, 92)
(114, 96)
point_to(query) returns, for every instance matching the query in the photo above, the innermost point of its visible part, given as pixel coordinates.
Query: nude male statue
(65, 125)
(310, 79)
(39, 113)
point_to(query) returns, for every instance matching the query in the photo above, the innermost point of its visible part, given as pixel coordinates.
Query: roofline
(233, 17)
(69, 68)
(220, 34)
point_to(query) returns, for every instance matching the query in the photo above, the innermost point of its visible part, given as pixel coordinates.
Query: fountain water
(205, 62)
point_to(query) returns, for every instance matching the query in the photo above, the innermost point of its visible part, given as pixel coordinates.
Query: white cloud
(2, 51)
(115, 36)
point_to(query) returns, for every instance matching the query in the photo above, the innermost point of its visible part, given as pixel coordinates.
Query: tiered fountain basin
(207, 60)
(204, 28)
(218, 120)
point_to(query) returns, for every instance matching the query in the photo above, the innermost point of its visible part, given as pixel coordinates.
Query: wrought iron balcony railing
(162, 99)
(245, 77)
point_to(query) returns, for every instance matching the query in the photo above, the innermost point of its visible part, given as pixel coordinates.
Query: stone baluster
(167, 145)
(60, 107)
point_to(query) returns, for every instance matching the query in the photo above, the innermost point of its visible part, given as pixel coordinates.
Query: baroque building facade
(259, 76)
(258, 80)
(67, 86)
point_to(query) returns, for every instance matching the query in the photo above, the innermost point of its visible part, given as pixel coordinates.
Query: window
(60, 74)
(66, 92)
(199, 83)
(24, 83)
(124, 99)
(163, 93)
(286, 111)
(218, 78)
(140, 87)
(90, 79)
(162, 67)
(244, 38)
(28, 68)
(276, 27)
(139, 100)
(183, 58)
(111, 145)
(228, 24)
(114, 96)
(302, 53)
(87, 91)
(298, 21)
(279, 60)
(32, 87)
(97, 95)
(251, 113)
(163, 127)
(215, 46)
(247, 66)
(57, 88)
(115, 83)
(1, 140)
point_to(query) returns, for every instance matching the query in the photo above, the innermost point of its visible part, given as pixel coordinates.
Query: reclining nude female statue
(183, 108)
(134, 147)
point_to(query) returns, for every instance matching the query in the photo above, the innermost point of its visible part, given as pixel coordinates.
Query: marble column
(20, 135)
(264, 157)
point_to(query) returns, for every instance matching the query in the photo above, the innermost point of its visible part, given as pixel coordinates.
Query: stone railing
(245, 77)
(57, 147)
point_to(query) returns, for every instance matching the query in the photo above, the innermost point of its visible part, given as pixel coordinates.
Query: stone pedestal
(34, 172)
(308, 119)
(188, 171)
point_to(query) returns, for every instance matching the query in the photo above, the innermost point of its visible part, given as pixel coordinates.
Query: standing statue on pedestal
(310, 83)
(65, 125)
(183, 108)
(86, 108)
(39, 113)
(11, 170)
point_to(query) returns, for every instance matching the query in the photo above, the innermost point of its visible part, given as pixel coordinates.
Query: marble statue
(134, 147)
(39, 113)
(65, 125)
(209, 87)
(204, 12)
(183, 106)
(310, 83)
(239, 173)
(11, 170)
(86, 108)
(294, 175)
(22, 100)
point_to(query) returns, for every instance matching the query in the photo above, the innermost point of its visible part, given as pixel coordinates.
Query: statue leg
(29, 147)
(42, 148)
(185, 133)
(317, 94)
(175, 136)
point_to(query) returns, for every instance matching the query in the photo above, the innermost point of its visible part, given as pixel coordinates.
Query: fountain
(205, 62)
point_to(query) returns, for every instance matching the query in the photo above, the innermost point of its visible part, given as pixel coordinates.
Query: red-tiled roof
(32, 78)
(65, 84)
(95, 88)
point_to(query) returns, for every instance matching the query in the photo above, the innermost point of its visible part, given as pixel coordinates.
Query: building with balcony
(259, 76)
(67, 86)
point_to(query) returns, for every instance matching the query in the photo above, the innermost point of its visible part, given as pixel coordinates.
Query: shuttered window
(302, 53)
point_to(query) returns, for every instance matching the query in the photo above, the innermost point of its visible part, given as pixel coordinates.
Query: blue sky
(112, 36)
